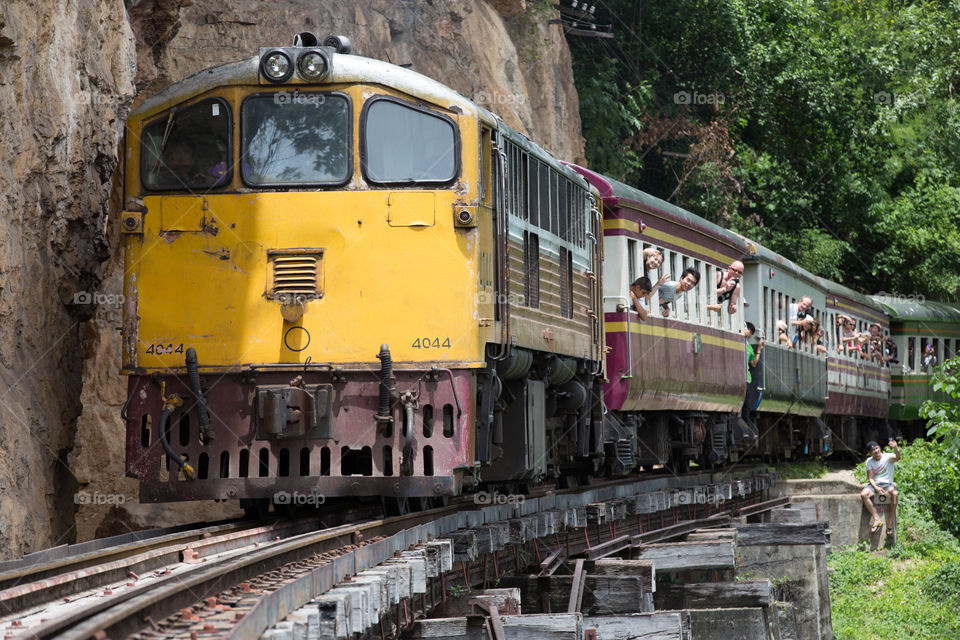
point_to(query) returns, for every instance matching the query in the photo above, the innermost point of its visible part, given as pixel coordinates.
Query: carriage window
(697, 296)
(781, 314)
(765, 313)
(301, 139)
(187, 148)
(405, 144)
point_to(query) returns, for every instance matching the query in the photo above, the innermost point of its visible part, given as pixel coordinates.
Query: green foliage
(918, 533)
(943, 418)
(944, 583)
(829, 131)
(903, 593)
(806, 469)
(874, 597)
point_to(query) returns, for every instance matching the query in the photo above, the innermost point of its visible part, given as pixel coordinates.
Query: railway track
(236, 579)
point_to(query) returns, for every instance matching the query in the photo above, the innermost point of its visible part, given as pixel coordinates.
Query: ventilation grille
(531, 266)
(296, 274)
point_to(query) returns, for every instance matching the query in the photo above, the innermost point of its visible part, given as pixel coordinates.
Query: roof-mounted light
(276, 66)
(340, 44)
(312, 66)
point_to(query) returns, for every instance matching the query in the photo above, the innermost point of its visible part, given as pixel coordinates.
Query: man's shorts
(885, 487)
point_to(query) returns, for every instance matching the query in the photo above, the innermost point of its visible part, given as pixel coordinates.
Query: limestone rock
(66, 80)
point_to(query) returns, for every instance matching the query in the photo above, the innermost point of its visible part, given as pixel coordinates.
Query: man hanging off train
(728, 288)
(670, 289)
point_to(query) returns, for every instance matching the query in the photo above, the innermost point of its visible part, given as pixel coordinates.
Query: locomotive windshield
(295, 139)
(406, 144)
(187, 148)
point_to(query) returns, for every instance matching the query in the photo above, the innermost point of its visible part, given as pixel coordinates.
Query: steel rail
(57, 560)
(22, 596)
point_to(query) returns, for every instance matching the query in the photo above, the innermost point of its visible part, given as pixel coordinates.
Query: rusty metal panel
(355, 457)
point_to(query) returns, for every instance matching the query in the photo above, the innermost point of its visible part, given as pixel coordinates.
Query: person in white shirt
(880, 479)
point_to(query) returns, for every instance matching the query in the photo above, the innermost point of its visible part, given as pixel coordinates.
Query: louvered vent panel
(297, 274)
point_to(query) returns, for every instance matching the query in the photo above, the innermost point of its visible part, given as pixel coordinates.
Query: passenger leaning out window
(641, 291)
(670, 289)
(728, 288)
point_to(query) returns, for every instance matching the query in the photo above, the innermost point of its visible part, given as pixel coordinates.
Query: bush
(874, 596)
(919, 535)
(803, 470)
(944, 583)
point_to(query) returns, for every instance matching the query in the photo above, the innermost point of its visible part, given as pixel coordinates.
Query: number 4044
(160, 349)
(431, 343)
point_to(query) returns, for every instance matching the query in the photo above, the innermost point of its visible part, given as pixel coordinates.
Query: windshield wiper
(166, 136)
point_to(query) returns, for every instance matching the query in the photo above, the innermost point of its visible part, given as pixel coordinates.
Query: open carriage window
(188, 148)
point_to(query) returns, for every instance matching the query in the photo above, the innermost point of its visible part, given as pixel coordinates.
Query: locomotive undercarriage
(540, 416)
(302, 437)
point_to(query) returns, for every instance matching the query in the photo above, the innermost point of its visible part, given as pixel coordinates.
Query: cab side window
(403, 143)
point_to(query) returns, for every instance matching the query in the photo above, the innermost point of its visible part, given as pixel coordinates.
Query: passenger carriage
(914, 323)
(858, 386)
(686, 372)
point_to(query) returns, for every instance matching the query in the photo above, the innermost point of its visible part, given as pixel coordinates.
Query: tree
(828, 131)
(943, 418)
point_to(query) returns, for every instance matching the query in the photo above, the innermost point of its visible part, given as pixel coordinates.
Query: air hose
(386, 371)
(194, 375)
(169, 404)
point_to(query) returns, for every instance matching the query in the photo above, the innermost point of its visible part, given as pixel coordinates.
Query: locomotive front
(303, 313)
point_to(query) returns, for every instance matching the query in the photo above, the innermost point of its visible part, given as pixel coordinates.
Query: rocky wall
(66, 80)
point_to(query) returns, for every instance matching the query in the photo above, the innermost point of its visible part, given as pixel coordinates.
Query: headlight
(312, 66)
(276, 66)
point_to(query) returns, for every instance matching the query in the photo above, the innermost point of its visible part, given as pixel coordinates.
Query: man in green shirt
(753, 359)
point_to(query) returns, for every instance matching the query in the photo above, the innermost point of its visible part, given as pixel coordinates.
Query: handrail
(503, 251)
(597, 293)
(629, 336)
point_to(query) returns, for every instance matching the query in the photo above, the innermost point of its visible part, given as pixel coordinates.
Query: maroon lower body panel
(857, 388)
(852, 403)
(666, 365)
(300, 441)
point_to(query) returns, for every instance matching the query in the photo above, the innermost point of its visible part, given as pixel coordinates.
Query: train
(344, 280)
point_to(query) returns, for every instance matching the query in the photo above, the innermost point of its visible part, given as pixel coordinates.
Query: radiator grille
(296, 274)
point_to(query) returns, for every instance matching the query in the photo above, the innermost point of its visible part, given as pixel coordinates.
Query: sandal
(889, 531)
(876, 526)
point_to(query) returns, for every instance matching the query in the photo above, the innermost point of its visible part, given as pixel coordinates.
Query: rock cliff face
(67, 77)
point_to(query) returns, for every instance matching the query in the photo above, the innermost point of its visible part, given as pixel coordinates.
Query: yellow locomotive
(342, 278)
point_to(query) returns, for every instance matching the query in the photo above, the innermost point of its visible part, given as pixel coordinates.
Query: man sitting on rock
(880, 479)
